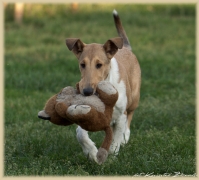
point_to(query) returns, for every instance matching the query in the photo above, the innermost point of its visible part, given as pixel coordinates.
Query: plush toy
(93, 113)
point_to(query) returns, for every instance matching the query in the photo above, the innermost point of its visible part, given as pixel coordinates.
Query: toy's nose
(88, 91)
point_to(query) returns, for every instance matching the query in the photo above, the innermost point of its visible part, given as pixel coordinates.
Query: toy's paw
(78, 109)
(102, 155)
(43, 115)
(107, 87)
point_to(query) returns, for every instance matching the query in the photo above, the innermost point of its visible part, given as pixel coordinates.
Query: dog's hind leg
(87, 144)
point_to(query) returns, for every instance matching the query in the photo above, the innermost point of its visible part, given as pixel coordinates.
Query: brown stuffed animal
(92, 113)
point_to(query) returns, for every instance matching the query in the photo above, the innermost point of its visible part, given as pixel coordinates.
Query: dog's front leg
(118, 134)
(87, 144)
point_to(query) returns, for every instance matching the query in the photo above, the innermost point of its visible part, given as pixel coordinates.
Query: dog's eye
(98, 66)
(83, 65)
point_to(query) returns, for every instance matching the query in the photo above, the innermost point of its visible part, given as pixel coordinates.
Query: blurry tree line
(18, 12)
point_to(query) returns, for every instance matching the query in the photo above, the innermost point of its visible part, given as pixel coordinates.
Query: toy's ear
(75, 45)
(112, 46)
(107, 93)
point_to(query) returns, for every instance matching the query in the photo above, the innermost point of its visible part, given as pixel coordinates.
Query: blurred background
(38, 64)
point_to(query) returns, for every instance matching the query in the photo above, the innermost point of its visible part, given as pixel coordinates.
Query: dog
(115, 62)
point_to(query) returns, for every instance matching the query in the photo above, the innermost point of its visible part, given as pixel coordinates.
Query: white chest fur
(113, 78)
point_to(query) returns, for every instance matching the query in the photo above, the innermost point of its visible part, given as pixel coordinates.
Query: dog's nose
(88, 91)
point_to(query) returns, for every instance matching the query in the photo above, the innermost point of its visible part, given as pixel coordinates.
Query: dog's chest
(114, 79)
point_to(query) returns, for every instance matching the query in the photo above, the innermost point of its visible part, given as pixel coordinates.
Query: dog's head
(94, 61)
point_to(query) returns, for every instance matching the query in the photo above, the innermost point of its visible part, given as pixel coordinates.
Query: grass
(38, 64)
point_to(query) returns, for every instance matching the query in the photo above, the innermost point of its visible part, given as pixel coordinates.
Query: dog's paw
(107, 87)
(43, 115)
(114, 148)
(78, 109)
(126, 137)
(102, 155)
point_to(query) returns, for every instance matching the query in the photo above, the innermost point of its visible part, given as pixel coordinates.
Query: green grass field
(38, 64)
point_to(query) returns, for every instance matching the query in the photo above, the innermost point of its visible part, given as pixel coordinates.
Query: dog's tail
(120, 29)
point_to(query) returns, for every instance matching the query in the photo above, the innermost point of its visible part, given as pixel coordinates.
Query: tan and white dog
(114, 62)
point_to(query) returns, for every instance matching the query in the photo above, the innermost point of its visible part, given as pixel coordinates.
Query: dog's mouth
(96, 94)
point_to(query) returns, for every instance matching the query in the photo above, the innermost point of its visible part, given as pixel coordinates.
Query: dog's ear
(112, 46)
(75, 45)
